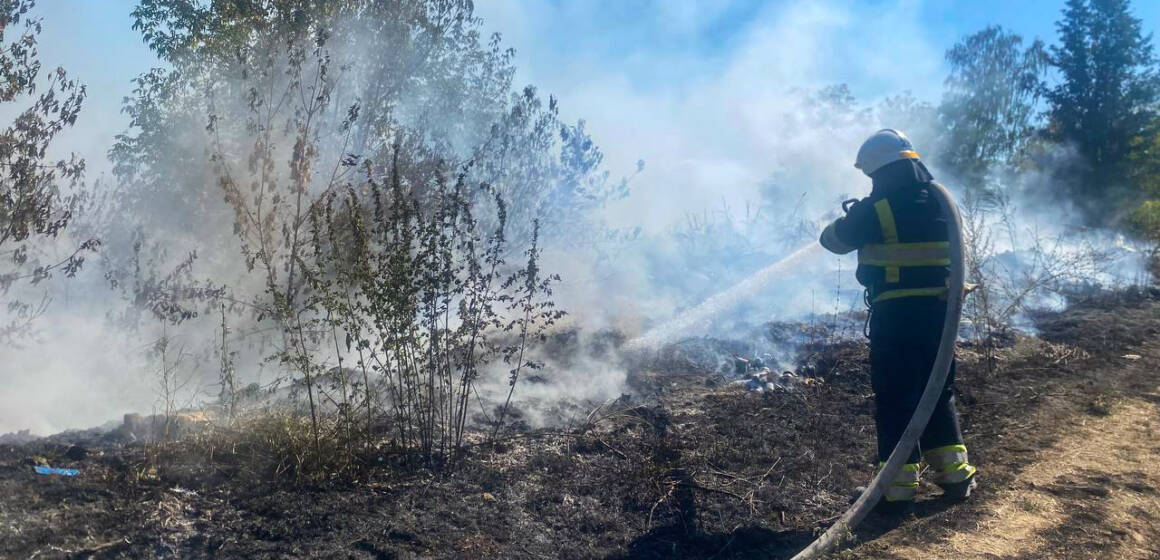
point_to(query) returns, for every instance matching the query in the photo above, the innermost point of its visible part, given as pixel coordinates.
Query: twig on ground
(753, 492)
(661, 500)
(612, 449)
(696, 486)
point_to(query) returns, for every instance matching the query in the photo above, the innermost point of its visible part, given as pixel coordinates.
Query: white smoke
(713, 127)
(732, 131)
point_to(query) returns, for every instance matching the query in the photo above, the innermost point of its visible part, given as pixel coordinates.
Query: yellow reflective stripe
(908, 250)
(945, 448)
(927, 244)
(938, 460)
(911, 262)
(886, 220)
(908, 154)
(960, 474)
(914, 292)
(905, 254)
(905, 466)
(907, 476)
(950, 462)
(904, 263)
(953, 467)
(889, 235)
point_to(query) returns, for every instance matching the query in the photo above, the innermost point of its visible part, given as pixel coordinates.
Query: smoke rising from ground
(747, 153)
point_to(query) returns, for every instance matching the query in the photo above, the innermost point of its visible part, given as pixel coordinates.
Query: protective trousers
(904, 339)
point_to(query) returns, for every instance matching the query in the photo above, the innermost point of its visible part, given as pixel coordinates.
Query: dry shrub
(1009, 285)
(271, 445)
(417, 297)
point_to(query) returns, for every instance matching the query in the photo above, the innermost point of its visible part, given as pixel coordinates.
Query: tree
(1105, 103)
(268, 112)
(407, 66)
(989, 106)
(416, 72)
(1143, 222)
(916, 118)
(35, 207)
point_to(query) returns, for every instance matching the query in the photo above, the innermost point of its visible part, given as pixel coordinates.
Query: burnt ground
(1068, 444)
(697, 468)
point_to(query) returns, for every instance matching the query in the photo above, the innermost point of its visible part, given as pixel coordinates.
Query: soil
(1062, 425)
(1073, 475)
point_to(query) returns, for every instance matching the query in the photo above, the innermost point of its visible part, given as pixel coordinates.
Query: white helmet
(885, 146)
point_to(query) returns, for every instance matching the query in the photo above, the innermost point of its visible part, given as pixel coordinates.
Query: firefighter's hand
(968, 288)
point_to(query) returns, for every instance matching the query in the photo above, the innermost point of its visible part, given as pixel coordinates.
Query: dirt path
(1090, 489)
(1097, 485)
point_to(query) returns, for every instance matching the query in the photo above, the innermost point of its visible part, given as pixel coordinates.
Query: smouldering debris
(769, 380)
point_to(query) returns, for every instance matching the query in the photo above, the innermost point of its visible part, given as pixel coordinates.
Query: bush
(1144, 224)
(415, 296)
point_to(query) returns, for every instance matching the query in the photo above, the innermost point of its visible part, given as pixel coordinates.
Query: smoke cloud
(748, 148)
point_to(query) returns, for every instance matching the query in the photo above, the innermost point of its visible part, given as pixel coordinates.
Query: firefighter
(901, 237)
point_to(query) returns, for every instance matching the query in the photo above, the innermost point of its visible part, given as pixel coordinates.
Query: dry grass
(1045, 500)
(696, 470)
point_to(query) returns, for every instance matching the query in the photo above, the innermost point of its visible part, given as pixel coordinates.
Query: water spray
(700, 316)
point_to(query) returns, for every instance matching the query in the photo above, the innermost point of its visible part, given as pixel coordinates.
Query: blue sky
(698, 88)
(93, 40)
(691, 35)
(658, 46)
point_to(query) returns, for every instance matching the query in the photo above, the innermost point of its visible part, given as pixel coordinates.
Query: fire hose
(842, 528)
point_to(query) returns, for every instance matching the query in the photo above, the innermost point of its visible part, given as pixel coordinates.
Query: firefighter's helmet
(885, 146)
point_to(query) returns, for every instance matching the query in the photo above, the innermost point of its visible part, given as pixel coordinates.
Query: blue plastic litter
(56, 471)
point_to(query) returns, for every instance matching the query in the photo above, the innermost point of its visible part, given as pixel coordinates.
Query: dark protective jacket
(903, 260)
(900, 235)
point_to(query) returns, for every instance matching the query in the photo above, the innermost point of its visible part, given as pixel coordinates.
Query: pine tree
(1072, 57)
(1105, 103)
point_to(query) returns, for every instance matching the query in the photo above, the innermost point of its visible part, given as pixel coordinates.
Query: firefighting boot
(958, 490)
(887, 509)
(952, 471)
(898, 498)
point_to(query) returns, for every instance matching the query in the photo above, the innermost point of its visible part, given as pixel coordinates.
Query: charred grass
(691, 468)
